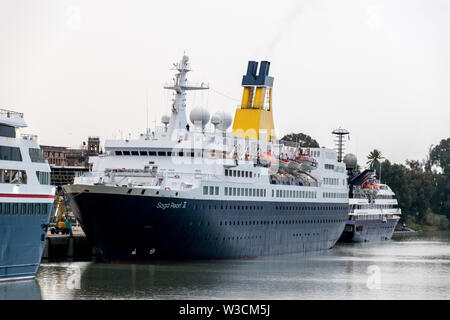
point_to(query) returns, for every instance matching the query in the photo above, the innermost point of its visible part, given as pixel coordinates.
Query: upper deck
(12, 118)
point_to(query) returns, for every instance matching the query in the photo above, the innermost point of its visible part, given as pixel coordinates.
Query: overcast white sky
(380, 69)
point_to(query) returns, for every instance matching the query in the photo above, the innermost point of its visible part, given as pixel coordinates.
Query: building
(66, 163)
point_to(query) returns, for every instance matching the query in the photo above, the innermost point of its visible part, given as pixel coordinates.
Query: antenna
(339, 141)
(148, 129)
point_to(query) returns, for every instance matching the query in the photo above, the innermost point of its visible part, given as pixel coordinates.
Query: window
(118, 153)
(152, 153)
(43, 177)
(143, 153)
(161, 153)
(134, 153)
(36, 155)
(226, 172)
(13, 176)
(23, 209)
(205, 190)
(10, 153)
(126, 153)
(15, 210)
(7, 131)
(211, 190)
(7, 209)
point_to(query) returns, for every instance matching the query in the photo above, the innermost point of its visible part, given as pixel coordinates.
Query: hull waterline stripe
(9, 195)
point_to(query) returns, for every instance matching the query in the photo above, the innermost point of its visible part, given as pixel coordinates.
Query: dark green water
(409, 267)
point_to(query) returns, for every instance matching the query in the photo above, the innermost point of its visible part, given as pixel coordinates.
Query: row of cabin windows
(331, 181)
(238, 173)
(245, 192)
(294, 194)
(23, 209)
(336, 195)
(211, 190)
(266, 222)
(20, 176)
(278, 208)
(329, 166)
(154, 153)
(315, 154)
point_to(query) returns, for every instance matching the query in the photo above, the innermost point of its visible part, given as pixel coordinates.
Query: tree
(304, 140)
(414, 165)
(440, 156)
(374, 159)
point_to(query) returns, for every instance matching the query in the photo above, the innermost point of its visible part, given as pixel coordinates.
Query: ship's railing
(26, 136)
(10, 114)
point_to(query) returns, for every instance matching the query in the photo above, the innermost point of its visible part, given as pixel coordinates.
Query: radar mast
(339, 141)
(178, 123)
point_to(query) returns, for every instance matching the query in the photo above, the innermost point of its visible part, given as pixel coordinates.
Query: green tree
(373, 160)
(303, 139)
(440, 156)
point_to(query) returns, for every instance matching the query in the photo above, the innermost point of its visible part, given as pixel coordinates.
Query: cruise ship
(185, 192)
(26, 199)
(374, 211)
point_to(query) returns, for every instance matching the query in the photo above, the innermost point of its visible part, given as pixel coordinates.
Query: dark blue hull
(145, 228)
(22, 241)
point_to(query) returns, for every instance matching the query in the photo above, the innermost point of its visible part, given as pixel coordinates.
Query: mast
(178, 122)
(339, 135)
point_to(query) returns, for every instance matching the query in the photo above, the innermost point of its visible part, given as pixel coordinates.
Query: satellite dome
(199, 117)
(215, 120)
(350, 161)
(165, 119)
(224, 119)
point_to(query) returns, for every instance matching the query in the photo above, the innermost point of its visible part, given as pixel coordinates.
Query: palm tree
(374, 160)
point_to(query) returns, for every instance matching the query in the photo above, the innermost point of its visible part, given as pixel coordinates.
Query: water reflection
(20, 290)
(409, 269)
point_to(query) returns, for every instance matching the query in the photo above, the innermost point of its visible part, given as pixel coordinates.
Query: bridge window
(10, 153)
(36, 155)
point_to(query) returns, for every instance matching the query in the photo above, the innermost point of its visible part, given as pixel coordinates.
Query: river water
(408, 267)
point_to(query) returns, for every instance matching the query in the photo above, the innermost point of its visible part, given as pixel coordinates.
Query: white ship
(374, 211)
(186, 193)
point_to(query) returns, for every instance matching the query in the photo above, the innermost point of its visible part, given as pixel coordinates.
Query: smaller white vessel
(374, 211)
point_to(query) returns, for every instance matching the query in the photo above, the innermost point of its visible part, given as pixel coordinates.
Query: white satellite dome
(199, 116)
(225, 120)
(350, 161)
(165, 119)
(215, 120)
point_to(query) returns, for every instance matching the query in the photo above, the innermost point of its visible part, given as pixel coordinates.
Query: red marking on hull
(10, 195)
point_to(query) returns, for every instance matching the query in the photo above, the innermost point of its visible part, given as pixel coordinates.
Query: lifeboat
(306, 163)
(295, 165)
(267, 158)
(284, 164)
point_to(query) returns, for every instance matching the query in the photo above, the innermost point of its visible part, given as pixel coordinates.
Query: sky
(380, 69)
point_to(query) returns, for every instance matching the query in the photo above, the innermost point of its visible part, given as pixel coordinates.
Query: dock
(65, 247)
